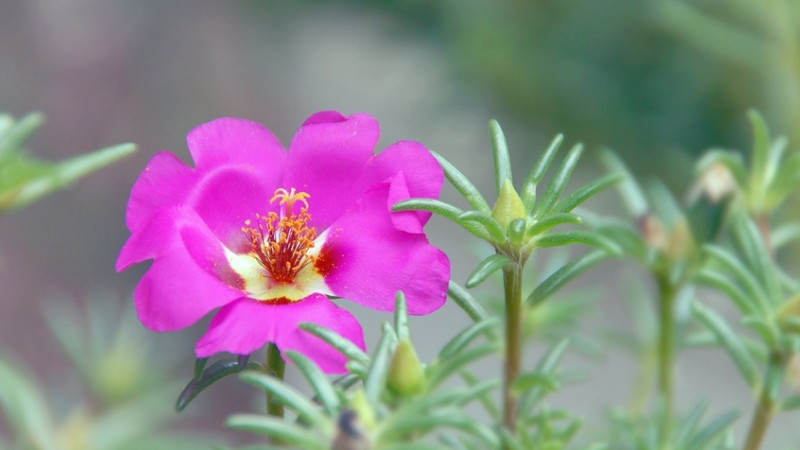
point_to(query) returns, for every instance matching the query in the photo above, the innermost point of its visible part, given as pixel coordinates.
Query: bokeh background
(659, 81)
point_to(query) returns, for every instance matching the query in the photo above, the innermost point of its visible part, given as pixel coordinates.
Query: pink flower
(267, 235)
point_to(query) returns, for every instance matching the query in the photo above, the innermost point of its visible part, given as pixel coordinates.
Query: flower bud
(716, 182)
(509, 205)
(406, 376)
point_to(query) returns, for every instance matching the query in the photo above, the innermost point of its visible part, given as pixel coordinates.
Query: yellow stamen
(280, 244)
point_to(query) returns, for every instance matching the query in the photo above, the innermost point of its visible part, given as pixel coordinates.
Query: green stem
(512, 286)
(276, 367)
(765, 407)
(666, 355)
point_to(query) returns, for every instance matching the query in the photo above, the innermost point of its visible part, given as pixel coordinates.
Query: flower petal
(366, 259)
(165, 181)
(240, 164)
(228, 197)
(327, 158)
(423, 174)
(228, 141)
(246, 325)
(177, 291)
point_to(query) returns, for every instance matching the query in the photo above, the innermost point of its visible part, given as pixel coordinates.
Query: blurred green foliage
(657, 80)
(124, 379)
(24, 179)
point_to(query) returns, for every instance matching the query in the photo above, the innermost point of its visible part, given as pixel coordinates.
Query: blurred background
(658, 81)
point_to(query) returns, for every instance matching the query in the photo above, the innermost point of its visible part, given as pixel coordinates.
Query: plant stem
(766, 406)
(276, 367)
(512, 285)
(666, 355)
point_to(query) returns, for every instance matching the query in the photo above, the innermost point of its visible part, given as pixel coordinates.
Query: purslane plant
(280, 233)
(268, 236)
(515, 226)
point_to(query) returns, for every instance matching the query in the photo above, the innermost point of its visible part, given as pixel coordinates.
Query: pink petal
(423, 174)
(240, 164)
(177, 291)
(229, 196)
(327, 158)
(366, 259)
(247, 325)
(164, 181)
(227, 141)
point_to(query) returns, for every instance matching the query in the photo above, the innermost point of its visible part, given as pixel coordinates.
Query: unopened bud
(715, 183)
(406, 376)
(509, 205)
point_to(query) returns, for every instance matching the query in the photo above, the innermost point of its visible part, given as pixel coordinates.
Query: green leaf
(629, 189)
(32, 179)
(465, 337)
(516, 231)
(209, 376)
(558, 182)
(548, 362)
(344, 345)
(485, 221)
(13, 135)
(24, 407)
(711, 277)
(445, 210)
(538, 171)
(486, 268)
(441, 370)
(199, 365)
(546, 223)
(760, 149)
(785, 234)
(502, 162)
(400, 316)
(463, 185)
(583, 193)
(324, 390)
(376, 377)
(487, 401)
(546, 366)
(281, 431)
(287, 395)
(665, 205)
(563, 275)
(730, 340)
(753, 291)
(398, 429)
(708, 433)
(532, 380)
(467, 302)
(750, 241)
(578, 237)
(689, 424)
(787, 178)
(790, 403)
(765, 328)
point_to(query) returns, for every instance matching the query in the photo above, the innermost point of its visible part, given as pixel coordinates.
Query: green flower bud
(406, 376)
(509, 205)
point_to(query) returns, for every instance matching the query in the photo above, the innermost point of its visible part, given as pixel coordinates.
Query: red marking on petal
(327, 261)
(278, 301)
